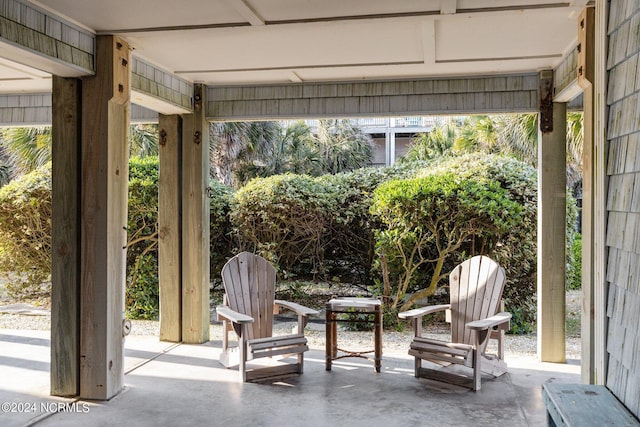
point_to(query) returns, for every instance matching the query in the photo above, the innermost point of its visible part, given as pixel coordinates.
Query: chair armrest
(225, 313)
(299, 309)
(422, 311)
(489, 322)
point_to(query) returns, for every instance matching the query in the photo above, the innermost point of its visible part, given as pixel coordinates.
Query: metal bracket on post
(546, 101)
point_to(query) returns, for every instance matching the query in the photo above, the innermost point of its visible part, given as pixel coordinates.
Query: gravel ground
(24, 316)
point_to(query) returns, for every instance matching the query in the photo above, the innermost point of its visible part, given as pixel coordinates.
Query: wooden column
(552, 184)
(600, 179)
(169, 225)
(65, 230)
(105, 128)
(195, 222)
(585, 80)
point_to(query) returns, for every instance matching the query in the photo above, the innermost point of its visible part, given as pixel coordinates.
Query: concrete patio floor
(184, 385)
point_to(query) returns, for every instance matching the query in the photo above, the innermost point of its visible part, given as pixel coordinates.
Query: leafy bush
(517, 251)
(221, 239)
(142, 251)
(312, 227)
(428, 219)
(25, 233)
(574, 273)
(285, 218)
(142, 239)
(142, 293)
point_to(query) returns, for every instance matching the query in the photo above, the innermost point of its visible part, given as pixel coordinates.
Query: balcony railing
(382, 122)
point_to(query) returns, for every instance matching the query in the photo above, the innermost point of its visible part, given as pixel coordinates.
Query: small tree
(426, 219)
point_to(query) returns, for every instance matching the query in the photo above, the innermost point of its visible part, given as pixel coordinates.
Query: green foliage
(428, 219)
(221, 240)
(433, 144)
(343, 146)
(312, 226)
(143, 140)
(356, 321)
(142, 249)
(142, 238)
(521, 322)
(25, 233)
(142, 294)
(26, 149)
(515, 250)
(574, 271)
(241, 151)
(285, 218)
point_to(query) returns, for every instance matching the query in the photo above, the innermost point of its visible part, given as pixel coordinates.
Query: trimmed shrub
(25, 233)
(142, 239)
(516, 251)
(574, 272)
(429, 219)
(221, 237)
(312, 227)
(142, 294)
(284, 218)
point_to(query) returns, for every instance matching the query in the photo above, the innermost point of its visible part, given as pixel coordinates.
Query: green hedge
(142, 256)
(25, 233)
(314, 227)
(142, 237)
(309, 227)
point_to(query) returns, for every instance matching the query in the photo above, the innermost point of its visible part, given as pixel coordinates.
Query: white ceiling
(228, 42)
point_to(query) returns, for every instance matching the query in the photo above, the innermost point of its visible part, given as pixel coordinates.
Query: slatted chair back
(475, 288)
(249, 282)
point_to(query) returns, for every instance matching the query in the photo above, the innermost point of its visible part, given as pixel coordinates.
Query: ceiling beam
(160, 90)
(448, 7)
(429, 42)
(337, 18)
(479, 95)
(45, 41)
(244, 8)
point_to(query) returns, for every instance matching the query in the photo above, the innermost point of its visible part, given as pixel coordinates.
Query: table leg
(334, 335)
(328, 339)
(378, 337)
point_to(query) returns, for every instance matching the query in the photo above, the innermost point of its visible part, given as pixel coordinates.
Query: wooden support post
(195, 222)
(600, 145)
(65, 230)
(105, 129)
(169, 226)
(551, 224)
(585, 78)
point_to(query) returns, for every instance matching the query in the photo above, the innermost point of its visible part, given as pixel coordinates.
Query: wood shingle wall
(496, 94)
(623, 203)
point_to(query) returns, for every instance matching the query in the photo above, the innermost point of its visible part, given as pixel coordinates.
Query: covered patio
(184, 384)
(80, 66)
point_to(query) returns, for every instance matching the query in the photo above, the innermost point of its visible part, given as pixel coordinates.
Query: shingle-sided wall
(623, 202)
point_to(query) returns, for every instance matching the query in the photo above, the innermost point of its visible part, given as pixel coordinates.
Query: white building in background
(391, 135)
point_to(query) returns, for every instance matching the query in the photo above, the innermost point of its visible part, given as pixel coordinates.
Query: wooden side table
(371, 308)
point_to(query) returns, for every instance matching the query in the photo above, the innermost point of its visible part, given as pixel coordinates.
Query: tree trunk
(428, 291)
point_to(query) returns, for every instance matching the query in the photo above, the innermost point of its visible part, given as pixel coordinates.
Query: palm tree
(143, 140)
(300, 151)
(237, 145)
(518, 136)
(477, 133)
(438, 142)
(575, 141)
(26, 149)
(343, 146)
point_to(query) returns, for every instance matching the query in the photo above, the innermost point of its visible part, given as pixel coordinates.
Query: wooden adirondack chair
(248, 308)
(475, 288)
